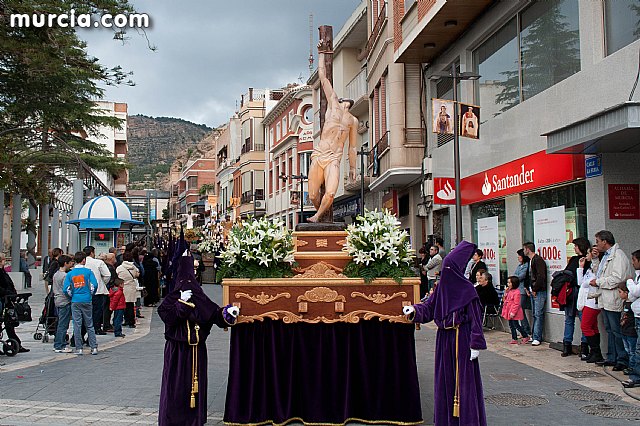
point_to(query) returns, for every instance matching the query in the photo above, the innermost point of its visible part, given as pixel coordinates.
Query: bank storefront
(539, 198)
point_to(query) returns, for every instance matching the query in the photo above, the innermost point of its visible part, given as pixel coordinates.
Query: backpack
(558, 281)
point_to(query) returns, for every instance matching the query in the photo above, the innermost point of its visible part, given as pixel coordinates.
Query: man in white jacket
(614, 268)
(633, 284)
(101, 296)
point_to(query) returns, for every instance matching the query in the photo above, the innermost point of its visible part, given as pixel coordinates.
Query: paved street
(121, 385)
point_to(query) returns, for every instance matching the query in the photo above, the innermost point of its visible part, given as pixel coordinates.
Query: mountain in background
(154, 145)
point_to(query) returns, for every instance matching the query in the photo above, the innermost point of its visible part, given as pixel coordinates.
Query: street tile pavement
(122, 384)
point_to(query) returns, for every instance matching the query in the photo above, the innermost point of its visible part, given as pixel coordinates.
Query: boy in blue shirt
(81, 284)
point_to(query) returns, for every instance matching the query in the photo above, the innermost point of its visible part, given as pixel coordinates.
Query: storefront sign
(488, 243)
(534, 171)
(306, 135)
(549, 233)
(593, 166)
(624, 201)
(346, 208)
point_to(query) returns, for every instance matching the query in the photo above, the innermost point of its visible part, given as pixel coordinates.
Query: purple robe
(175, 394)
(455, 302)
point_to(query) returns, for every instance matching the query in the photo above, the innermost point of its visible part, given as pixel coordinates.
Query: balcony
(437, 24)
(377, 29)
(379, 151)
(356, 89)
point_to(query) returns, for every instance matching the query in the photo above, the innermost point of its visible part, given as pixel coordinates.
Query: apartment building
(115, 141)
(558, 122)
(288, 132)
(195, 174)
(248, 176)
(227, 149)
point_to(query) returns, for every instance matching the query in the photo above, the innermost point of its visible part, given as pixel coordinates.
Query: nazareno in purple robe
(177, 379)
(455, 303)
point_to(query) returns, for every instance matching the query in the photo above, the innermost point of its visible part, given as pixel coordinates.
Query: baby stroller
(48, 320)
(14, 309)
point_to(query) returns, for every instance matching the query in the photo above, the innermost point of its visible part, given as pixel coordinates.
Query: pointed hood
(454, 291)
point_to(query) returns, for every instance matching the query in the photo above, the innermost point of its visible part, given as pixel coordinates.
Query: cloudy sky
(211, 51)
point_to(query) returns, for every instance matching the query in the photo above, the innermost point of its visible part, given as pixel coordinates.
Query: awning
(397, 178)
(616, 129)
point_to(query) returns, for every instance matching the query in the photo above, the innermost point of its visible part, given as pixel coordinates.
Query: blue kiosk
(104, 222)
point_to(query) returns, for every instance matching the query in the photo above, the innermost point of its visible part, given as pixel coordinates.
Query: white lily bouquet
(212, 240)
(380, 249)
(258, 249)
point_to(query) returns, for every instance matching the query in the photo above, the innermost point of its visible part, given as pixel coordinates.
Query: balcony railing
(357, 87)
(375, 32)
(378, 151)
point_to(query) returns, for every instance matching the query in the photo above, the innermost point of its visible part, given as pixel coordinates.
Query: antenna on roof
(310, 43)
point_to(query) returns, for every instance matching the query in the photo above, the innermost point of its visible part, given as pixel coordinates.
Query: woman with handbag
(7, 288)
(128, 272)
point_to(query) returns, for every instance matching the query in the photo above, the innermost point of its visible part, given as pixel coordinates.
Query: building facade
(558, 134)
(288, 132)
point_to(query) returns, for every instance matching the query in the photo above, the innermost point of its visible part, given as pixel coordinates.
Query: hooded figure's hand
(185, 295)
(230, 313)
(474, 354)
(408, 310)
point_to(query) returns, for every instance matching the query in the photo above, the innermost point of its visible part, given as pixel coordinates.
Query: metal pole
(301, 198)
(44, 231)
(78, 198)
(64, 235)
(1, 221)
(456, 154)
(16, 232)
(254, 204)
(362, 154)
(55, 229)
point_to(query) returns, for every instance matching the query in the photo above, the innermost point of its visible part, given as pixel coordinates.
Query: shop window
(572, 197)
(495, 250)
(622, 23)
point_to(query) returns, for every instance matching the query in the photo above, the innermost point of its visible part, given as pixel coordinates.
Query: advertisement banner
(549, 233)
(488, 243)
(624, 201)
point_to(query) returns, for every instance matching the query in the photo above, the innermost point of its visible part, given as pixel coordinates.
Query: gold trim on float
(350, 419)
(319, 270)
(321, 254)
(378, 297)
(321, 294)
(319, 234)
(353, 317)
(263, 299)
(297, 281)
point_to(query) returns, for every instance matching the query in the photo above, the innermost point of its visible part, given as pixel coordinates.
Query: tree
(48, 88)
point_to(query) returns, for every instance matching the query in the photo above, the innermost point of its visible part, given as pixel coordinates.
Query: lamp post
(301, 178)
(363, 151)
(455, 76)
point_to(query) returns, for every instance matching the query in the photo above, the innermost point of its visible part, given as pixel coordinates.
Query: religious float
(320, 347)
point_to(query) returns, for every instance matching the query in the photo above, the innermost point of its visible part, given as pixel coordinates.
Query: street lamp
(363, 151)
(301, 178)
(455, 76)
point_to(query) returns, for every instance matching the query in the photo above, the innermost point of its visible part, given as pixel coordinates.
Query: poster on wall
(488, 243)
(624, 201)
(549, 233)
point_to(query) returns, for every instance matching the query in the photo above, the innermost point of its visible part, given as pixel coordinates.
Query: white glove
(185, 295)
(408, 310)
(234, 311)
(474, 354)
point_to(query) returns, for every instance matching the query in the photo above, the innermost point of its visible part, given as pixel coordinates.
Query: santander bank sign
(524, 174)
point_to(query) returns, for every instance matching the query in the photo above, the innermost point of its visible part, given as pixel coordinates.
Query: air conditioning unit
(261, 205)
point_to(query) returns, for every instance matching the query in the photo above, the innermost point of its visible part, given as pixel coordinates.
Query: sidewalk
(42, 353)
(523, 385)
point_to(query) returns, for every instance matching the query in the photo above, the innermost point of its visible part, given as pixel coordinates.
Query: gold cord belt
(456, 396)
(194, 363)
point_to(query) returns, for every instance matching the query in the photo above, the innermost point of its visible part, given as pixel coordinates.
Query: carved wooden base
(312, 247)
(321, 300)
